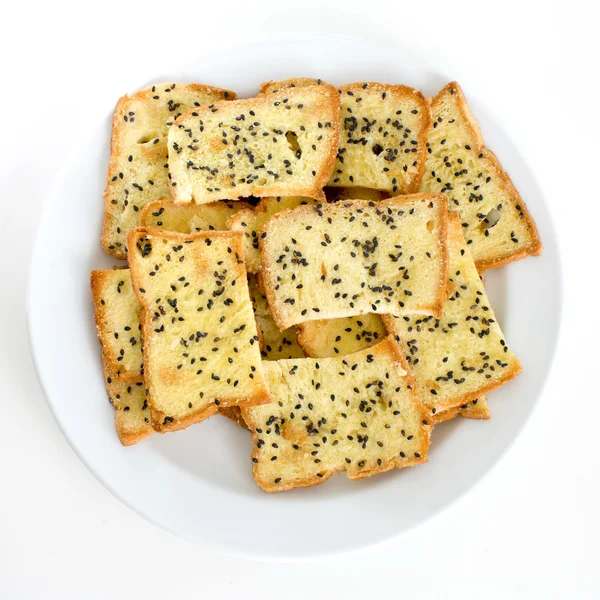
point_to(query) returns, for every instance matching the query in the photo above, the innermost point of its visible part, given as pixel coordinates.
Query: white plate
(197, 483)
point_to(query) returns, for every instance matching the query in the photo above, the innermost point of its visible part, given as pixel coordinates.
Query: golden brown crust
(434, 309)
(468, 411)
(158, 417)
(330, 102)
(535, 247)
(233, 413)
(126, 435)
(445, 415)
(387, 346)
(476, 413)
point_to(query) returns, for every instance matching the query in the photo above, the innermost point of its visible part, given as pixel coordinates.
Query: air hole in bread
(150, 137)
(430, 225)
(292, 139)
(491, 219)
(377, 149)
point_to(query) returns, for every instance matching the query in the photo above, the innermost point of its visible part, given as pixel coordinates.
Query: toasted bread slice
(463, 355)
(280, 145)
(250, 221)
(475, 409)
(358, 413)
(200, 341)
(138, 169)
(190, 218)
(117, 315)
(496, 224)
(338, 337)
(382, 134)
(132, 417)
(356, 257)
(276, 344)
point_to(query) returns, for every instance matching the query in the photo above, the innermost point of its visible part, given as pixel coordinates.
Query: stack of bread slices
(308, 263)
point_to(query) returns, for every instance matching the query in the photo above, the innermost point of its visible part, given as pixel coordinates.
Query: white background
(530, 529)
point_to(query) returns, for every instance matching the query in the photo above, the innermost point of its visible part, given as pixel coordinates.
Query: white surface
(176, 480)
(529, 530)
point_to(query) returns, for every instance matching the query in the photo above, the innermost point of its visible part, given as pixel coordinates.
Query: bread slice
(338, 337)
(382, 134)
(276, 344)
(352, 258)
(280, 145)
(496, 223)
(138, 169)
(132, 417)
(335, 194)
(200, 341)
(190, 218)
(463, 355)
(359, 413)
(117, 315)
(475, 409)
(250, 221)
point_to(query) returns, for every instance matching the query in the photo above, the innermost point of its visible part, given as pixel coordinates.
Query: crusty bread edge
(127, 438)
(96, 280)
(233, 413)
(468, 413)
(326, 166)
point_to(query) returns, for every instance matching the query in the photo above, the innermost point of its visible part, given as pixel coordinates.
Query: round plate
(198, 483)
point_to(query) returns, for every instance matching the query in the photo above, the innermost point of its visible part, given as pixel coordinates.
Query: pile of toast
(308, 263)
